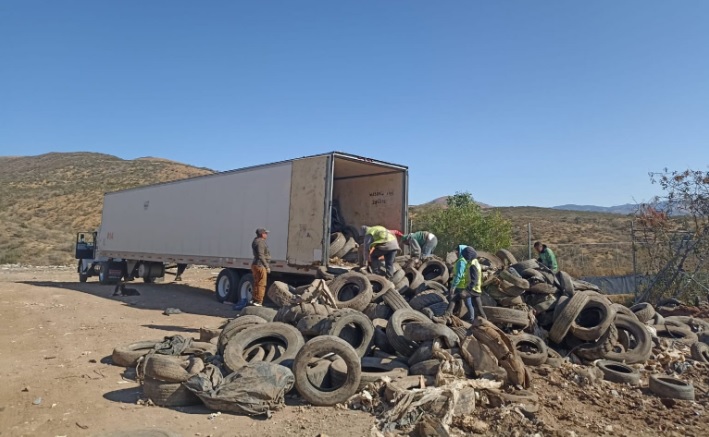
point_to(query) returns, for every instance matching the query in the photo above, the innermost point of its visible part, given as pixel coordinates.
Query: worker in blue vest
(380, 241)
(466, 283)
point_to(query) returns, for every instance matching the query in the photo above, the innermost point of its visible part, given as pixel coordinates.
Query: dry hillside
(586, 243)
(45, 199)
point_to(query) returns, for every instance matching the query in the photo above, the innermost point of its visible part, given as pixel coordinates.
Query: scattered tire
(643, 343)
(265, 313)
(310, 325)
(593, 320)
(621, 309)
(380, 285)
(423, 353)
(435, 270)
(352, 326)
(337, 242)
(506, 256)
(501, 315)
(531, 349)
(415, 278)
(486, 259)
(435, 310)
(429, 331)
(671, 388)
(643, 311)
(352, 290)
(322, 273)
(426, 298)
(166, 368)
(580, 285)
(525, 265)
(599, 349)
(280, 333)
(294, 313)
(381, 341)
(617, 372)
(395, 300)
(128, 355)
(317, 348)
(280, 294)
(512, 276)
(433, 285)
(373, 369)
(349, 245)
(168, 394)
(566, 282)
(235, 326)
(395, 330)
(378, 311)
(679, 333)
(399, 274)
(566, 316)
(542, 288)
(700, 352)
(427, 367)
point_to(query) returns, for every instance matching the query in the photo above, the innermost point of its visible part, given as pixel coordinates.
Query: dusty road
(56, 338)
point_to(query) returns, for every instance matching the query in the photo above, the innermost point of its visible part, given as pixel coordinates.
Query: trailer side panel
(213, 216)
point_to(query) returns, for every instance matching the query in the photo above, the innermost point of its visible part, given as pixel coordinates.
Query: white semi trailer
(211, 220)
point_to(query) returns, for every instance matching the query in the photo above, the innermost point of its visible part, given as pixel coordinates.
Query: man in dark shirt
(260, 267)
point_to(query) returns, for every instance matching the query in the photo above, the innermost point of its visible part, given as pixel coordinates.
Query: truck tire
(104, 276)
(245, 288)
(225, 286)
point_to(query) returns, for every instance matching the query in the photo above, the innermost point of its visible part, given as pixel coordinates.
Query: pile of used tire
(374, 328)
(343, 245)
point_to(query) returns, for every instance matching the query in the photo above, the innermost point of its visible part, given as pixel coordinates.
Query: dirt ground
(56, 338)
(56, 379)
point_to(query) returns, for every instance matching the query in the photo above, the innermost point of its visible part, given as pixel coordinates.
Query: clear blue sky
(519, 102)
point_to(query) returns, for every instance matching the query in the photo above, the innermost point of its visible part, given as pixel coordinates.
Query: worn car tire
(235, 326)
(352, 290)
(521, 266)
(531, 349)
(426, 298)
(380, 285)
(600, 349)
(506, 256)
(512, 276)
(310, 325)
(542, 288)
(337, 242)
(395, 300)
(643, 311)
(681, 334)
(566, 316)
(593, 320)
(128, 355)
(504, 316)
(280, 294)
(435, 270)
(415, 278)
(395, 330)
(352, 326)
(671, 388)
(316, 348)
(168, 394)
(373, 369)
(700, 352)
(291, 338)
(378, 311)
(566, 282)
(618, 372)
(643, 343)
(167, 368)
(427, 367)
(349, 245)
(265, 313)
(428, 331)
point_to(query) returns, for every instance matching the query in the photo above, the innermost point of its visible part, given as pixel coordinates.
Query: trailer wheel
(226, 285)
(246, 287)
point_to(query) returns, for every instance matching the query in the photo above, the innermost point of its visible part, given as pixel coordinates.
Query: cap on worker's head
(260, 231)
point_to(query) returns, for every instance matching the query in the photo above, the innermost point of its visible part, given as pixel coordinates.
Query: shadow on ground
(191, 300)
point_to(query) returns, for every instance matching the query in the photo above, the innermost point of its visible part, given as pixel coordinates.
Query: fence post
(635, 262)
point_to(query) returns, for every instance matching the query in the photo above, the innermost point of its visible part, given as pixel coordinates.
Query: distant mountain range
(628, 208)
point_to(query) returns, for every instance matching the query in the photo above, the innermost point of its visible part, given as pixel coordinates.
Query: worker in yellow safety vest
(379, 241)
(466, 283)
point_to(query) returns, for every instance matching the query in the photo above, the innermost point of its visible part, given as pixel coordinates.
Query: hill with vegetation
(46, 199)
